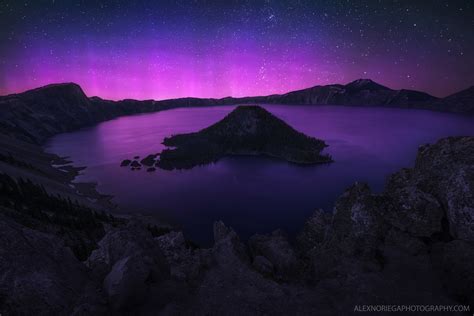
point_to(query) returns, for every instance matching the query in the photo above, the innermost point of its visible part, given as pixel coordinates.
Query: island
(247, 130)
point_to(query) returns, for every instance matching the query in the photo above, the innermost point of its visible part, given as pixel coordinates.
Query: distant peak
(69, 88)
(362, 81)
(365, 84)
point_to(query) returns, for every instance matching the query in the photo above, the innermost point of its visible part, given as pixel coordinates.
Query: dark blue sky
(165, 49)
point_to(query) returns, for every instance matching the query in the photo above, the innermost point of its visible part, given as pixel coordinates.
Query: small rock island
(247, 130)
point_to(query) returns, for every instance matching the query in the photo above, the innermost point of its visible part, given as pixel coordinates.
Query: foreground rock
(248, 130)
(128, 260)
(421, 225)
(40, 276)
(410, 244)
(277, 252)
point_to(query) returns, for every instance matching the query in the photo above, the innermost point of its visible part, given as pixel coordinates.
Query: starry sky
(167, 49)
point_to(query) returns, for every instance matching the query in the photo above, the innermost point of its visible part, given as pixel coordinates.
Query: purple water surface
(252, 194)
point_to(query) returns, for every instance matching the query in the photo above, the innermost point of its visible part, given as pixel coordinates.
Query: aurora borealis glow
(168, 49)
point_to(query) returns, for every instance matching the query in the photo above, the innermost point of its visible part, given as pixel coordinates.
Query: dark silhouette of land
(61, 252)
(247, 130)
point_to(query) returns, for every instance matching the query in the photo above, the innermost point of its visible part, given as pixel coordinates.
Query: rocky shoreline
(411, 244)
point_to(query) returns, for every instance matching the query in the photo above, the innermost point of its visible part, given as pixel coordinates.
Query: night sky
(167, 49)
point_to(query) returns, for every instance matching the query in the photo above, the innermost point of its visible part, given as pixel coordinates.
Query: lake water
(252, 194)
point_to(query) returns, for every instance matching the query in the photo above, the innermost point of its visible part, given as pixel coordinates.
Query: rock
(405, 242)
(446, 169)
(129, 260)
(39, 275)
(126, 284)
(136, 157)
(455, 262)
(227, 246)
(231, 285)
(126, 241)
(277, 250)
(263, 266)
(314, 230)
(459, 196)
(151, 169)
(357, 226)
(440, 187)
(417, 212)
(125, 163)
(149, 160)
(185, 263)
(135, 164)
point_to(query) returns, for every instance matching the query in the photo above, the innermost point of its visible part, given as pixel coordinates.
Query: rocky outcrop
(128, 260)
(442, 182)
(314, 230)
(417, 212)
(186, 262)
(455, 260)
(277, 251)
(422, 221)
(40, 276)
(410, 244)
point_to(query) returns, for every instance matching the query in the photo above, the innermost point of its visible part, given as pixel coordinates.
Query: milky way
(167, 49)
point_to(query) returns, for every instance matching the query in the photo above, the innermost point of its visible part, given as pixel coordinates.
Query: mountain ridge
(40, 113)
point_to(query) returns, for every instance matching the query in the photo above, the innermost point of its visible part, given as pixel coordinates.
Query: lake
(251, 194)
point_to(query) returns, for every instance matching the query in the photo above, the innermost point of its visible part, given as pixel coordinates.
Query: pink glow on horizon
(147, 71)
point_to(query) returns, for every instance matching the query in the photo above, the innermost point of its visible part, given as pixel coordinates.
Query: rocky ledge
(411, 244)
(247, 130)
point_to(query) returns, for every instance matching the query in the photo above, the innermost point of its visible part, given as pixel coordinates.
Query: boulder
(227, 248)
(186, 263)
(135, 164)
(39, 275)
(149, 160)
(459, 199)
(128, 240)
(125, 163)
(129, 260)
(314, 230)
(446, 170)
(126, 284)
(415, 211)
(277, 250)
(263, 266)
(151, 169)
(455, 263)
(405, 242)
(357, 226)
